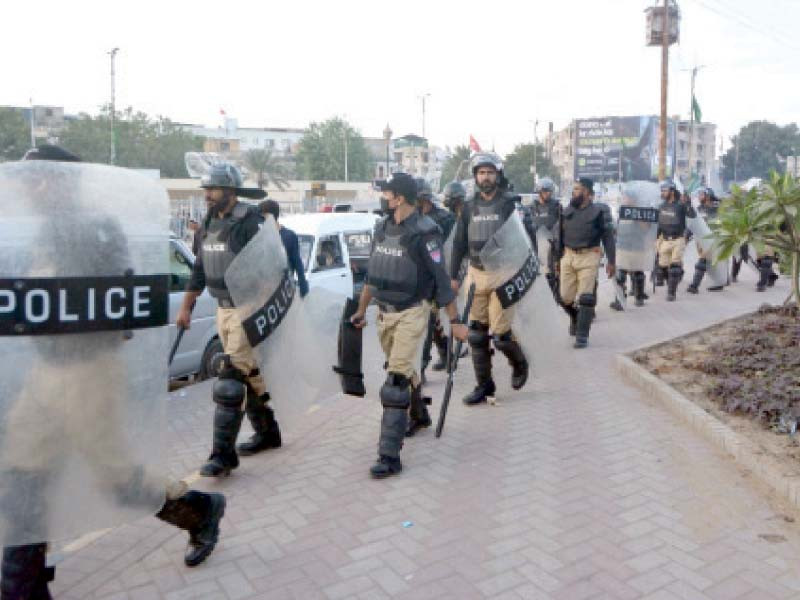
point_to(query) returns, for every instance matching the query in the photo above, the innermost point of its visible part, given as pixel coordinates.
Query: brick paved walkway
(577, 488)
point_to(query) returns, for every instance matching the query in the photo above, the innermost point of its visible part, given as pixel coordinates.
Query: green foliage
(761, 148)
(450, 170)
(266, 167)
(769, 216)
(15, 137)
(141, 142)
(518, 167)
(322, 151)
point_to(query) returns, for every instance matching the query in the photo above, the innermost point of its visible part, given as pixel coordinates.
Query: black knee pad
(589, 300)
(676, 270)
(478, 336)
(638, 276)
(226, 370)
(702, 264)
(396, 391)
(229, 393)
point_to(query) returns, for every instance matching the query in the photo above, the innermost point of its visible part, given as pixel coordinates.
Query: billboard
(610, 148)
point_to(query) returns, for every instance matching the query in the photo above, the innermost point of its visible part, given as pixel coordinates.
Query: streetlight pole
(387, 135)
(423, 97)
(662, 131)
(113, 55)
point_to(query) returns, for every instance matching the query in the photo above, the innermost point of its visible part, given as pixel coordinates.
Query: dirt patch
(745, 372)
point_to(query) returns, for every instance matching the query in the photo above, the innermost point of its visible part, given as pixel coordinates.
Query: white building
(283, 140)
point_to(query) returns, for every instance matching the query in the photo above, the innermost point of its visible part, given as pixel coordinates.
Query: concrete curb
(745, 452)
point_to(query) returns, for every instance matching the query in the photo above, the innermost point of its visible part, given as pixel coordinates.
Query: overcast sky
(490, 67)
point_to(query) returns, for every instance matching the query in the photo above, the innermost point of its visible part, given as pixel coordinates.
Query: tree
(769, 216)
(321, 155)
(266, 167)
(761, 146)
(141, 142)
(15, 138)
(518, 167)
(453, 168)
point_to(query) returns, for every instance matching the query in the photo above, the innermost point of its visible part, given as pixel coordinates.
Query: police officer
(406, 271)
(483, 215)
(228, 227)
(638, 278)
(454, 197)
(585, 224)
(671, 243)
(545, 212)
(709, 206)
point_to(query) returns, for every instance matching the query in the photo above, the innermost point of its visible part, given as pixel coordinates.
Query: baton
(452, 362)
(178, 339)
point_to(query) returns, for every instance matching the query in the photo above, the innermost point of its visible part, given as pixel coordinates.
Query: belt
(391, 308)
(583, 250)
(671, 237)
(225, 303)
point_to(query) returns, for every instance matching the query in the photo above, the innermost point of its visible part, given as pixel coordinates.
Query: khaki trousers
(235, 344)
(578, 273)
(670, 251)
(486, 307)
(401, 334)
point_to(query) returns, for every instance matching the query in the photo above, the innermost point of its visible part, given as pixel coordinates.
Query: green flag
(698, 114)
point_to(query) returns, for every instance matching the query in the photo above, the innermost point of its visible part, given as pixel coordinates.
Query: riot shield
(295, 339)
(637, 226)
(83, 311)
(538, 321)
(717, 272)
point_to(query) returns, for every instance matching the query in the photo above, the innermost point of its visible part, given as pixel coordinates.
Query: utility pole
(113, 54)
(423, 97)
(662, 132)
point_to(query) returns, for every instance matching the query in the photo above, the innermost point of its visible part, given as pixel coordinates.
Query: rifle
(452, 362)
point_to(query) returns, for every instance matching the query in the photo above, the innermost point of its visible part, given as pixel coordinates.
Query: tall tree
(141, 142)
(518, 167)
(321, 154)
(15, 136)
(760, 147)
(266, 167)
(450, 170)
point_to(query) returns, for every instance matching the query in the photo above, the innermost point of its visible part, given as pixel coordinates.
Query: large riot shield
(717, 271)
(84, 292)
(294, 339)
(514, 272)
(637, 226)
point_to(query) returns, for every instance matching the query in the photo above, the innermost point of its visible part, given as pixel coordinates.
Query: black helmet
(454, 192)
(227, 175)
(486, 159)
(424, 189)
(546, 185)
(668, 184)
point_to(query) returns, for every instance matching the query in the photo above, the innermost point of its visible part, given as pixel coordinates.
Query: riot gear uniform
(672, 215)
(454, 196)
(545, 215)
(709, 206)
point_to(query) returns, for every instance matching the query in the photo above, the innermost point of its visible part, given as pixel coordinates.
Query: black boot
(735, 267)
(25, 574)
(699, 272)
(586, 304)
(764, 271)
(223, 459)
(638, 281)
(516, 358)
(572, 312)
(266, 434)
(661, 276)
(393, 428)
(673, 279)
(198, 513)
(481, 392)
(440, 340)
(418, 412)
(481, 360)
(621, 279)
(426, 347)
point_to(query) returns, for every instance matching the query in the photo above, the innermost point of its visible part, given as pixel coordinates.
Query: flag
(698, 114)
(473, 144)
(222, 112)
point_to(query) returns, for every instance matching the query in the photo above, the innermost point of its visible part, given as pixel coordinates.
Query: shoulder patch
(434, 250)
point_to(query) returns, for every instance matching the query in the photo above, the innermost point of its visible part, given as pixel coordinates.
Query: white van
(334, 248)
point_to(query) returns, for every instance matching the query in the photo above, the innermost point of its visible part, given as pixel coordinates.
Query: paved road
(576, 488)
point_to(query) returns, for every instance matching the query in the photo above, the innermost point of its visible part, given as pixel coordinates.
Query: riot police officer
(228, 227)
(709, 206)
(454, 196)
(435, 333)
(671, 242)
(545, 212)
(406, 271)
(482, 216)
(585, 224)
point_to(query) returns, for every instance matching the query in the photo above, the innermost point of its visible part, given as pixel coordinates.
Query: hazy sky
(490, 67)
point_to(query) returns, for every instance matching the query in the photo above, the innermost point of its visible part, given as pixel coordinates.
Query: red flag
(222, 112)
(473, 144)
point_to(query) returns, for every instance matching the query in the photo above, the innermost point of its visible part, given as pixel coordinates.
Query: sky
(491, 68)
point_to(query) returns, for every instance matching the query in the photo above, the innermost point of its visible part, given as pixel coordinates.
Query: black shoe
(385, 467)
(761, 288)
(716, 288)
(217, 467)
(261, 441)
(772, 279)
(573, 328)
(639, 302)
(415, 424)
(480, 393)
(617, 305)
(580, 342)
(203, 540)
(671, 297)
(519, 376)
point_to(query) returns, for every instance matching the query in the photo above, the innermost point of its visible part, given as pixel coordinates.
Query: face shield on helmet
(492, 160)
(454, 193)
(546, 185)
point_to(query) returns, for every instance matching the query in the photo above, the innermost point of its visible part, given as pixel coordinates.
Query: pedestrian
(585, 224)
(290, 244)
(228, 227)
(406, 272)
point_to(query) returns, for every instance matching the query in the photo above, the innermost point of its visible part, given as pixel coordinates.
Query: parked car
(201, 342)
(334, 248)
